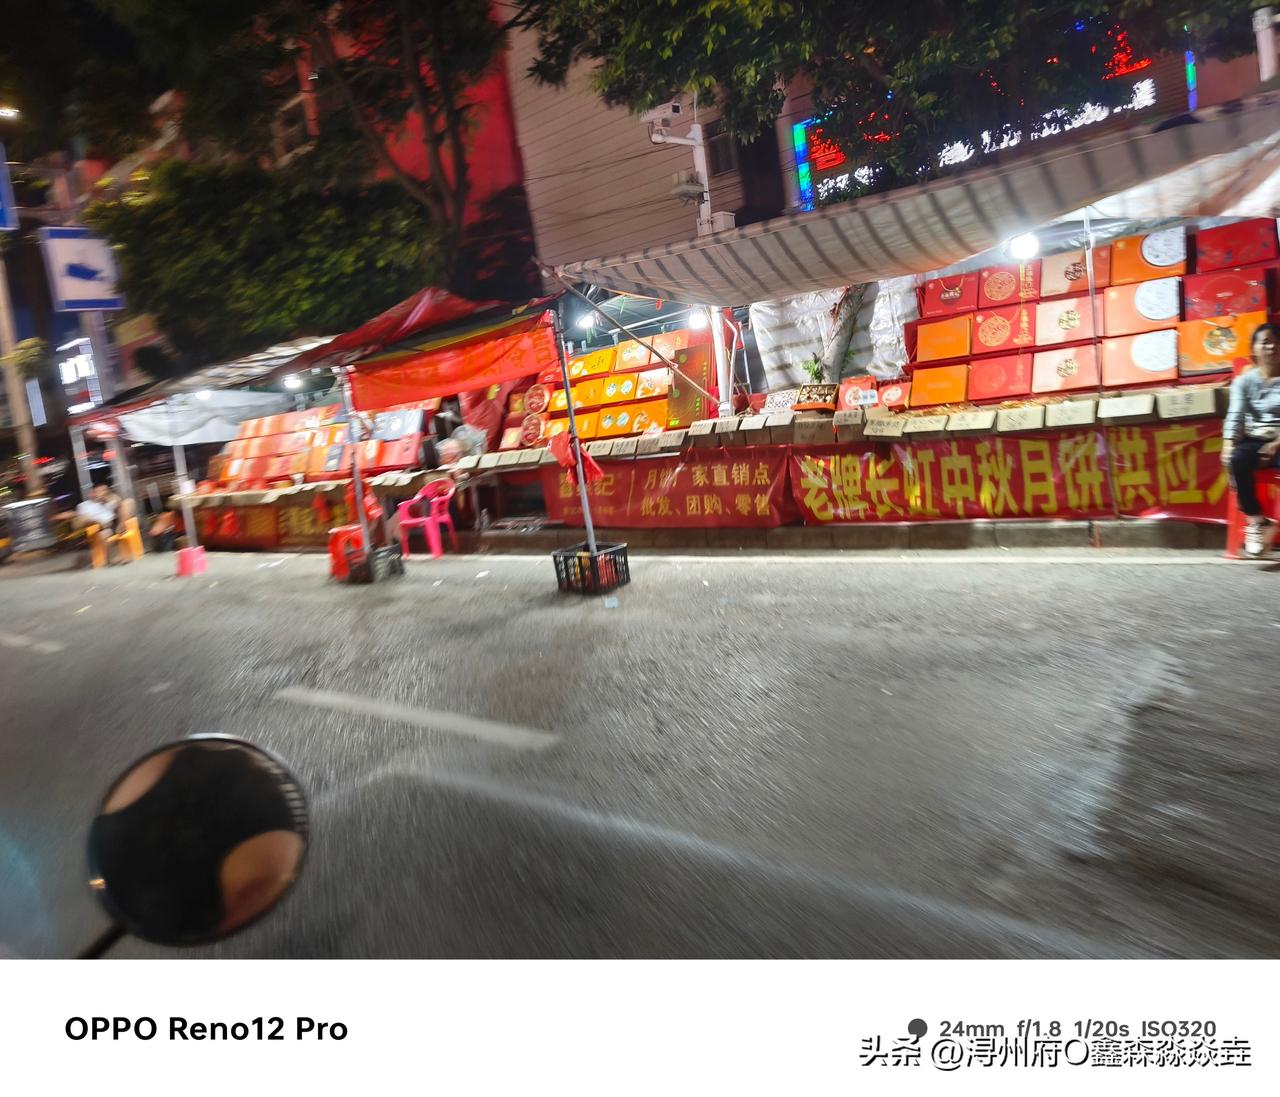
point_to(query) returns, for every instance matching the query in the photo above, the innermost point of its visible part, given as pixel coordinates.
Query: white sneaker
(1256, 537)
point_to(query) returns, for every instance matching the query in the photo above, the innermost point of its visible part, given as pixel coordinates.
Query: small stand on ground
(587, 568)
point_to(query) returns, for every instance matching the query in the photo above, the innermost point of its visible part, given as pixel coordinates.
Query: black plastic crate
(578, 569)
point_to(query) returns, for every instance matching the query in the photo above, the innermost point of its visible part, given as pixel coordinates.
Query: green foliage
(30, 357)
(229, 259)
(159, 365)
(813, 368)
(368, 63)
(919, 71)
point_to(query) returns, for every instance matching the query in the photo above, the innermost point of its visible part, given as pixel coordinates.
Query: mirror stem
(105, 940)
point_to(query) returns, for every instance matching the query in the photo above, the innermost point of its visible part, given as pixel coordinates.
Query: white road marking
(83, 608)
(44, 647)
(481, 574)
(489, 731)
(160, 687)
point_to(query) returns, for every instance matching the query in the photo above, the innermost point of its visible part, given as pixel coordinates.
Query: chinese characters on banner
(296, 525)
(743, 486)
(1165, 470)
(1170, 470)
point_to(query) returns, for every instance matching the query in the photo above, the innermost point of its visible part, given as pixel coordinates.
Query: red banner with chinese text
(745, 486)
(1165, 470)
(1170, 470)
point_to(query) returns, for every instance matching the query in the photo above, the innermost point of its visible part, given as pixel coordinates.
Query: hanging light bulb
(1025, 246)
(697, 319)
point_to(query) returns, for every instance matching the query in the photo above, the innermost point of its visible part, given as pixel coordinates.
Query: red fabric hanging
(523, 347)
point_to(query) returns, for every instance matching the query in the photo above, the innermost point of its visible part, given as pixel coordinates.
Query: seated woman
(164, 531)
(1251, 433)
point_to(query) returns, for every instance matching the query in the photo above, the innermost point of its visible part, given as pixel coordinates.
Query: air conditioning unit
(723, 222)
(687, 184)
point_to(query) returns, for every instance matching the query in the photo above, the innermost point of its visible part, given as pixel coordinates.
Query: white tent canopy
(187, 419)
(934, 225)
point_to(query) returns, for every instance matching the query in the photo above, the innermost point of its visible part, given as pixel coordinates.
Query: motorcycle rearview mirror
(195, 841)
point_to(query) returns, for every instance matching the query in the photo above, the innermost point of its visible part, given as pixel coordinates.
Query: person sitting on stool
(1251, 432)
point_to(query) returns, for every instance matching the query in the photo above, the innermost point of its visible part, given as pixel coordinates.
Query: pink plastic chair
(435, 498)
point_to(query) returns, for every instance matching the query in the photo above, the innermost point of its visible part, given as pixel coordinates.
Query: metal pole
(81, 458)
(188, 519)
(1097, 351)
(357, 483)
(19, 410)
(724, 373)
(95, 328)
(704, 177)
(574, 440)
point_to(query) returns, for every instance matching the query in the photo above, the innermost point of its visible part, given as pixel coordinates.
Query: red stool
(1268, 481)
(344, 543)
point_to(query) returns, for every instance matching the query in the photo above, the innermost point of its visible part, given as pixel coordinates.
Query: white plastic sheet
(188, 419)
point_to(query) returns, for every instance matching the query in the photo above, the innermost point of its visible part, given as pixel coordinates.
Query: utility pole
(1264, 30)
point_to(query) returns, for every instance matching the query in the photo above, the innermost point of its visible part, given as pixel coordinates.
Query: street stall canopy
(260, 368)
(436, 344)
(1190, 165)
(185, 419)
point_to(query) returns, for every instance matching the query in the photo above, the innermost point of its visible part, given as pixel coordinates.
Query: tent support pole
(188, 519)
(626, 331)
(574, 440)
(724, 368)
(357, 482)
(1097, 350)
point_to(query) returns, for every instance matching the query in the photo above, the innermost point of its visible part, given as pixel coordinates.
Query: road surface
(955, 754)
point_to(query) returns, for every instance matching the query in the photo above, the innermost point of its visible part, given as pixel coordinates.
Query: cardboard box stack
(1170, 307)
(618, 391)
(314, 445)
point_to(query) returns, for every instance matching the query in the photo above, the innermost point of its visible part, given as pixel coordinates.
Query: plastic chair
(435, 497)
(97, 543)
(1268, 481)
(129, 539)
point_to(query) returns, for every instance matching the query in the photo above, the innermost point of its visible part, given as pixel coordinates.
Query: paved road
(957, 754)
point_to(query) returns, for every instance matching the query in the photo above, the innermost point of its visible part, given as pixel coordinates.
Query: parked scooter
(195, 841)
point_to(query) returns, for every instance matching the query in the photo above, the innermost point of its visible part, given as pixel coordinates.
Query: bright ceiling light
(1026, 246)
(9, 112)
(697, 319)
(587, 321)
(203, 394)
(292, 381)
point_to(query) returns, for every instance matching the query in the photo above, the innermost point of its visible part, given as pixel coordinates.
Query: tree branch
(453, 128)
(421, 194)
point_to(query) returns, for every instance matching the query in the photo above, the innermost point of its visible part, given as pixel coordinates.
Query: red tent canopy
(437, 344)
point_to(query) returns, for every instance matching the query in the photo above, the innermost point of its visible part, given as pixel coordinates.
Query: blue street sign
(82, 271)
(8, 207)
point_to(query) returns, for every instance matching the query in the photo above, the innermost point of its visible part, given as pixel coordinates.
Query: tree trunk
(19, 411)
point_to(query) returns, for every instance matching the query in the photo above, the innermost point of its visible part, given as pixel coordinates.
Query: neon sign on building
(823, 174)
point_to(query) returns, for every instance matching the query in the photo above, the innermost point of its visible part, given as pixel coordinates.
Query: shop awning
(437, 344)
(504, 350)
(931, 226)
